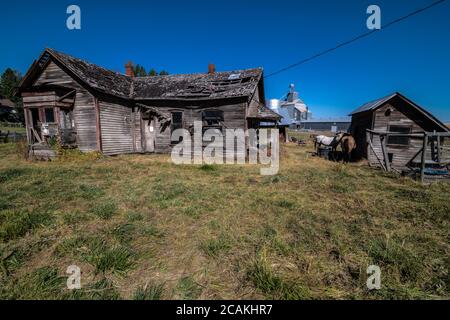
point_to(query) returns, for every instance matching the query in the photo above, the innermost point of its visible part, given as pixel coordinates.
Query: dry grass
(140, 227)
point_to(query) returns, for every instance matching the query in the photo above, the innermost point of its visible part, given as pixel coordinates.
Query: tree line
(139, 71)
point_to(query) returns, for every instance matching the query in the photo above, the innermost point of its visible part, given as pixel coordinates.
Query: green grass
(21, 130)
(14, 224)
(105, 210)
(152, 291)
(105, 257)
(188, 288)
(214, 247)
(261, 275)
(141, 228)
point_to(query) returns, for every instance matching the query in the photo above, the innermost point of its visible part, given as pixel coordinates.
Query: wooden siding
(84, 106)
(401, 155)
(138, 131)
(116, 123)
(234, 118)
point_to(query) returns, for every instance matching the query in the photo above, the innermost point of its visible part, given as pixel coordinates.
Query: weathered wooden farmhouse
(95, 109)
(405, 120)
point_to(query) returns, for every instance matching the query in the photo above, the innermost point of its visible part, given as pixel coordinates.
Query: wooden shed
(392, 114)
(95, 109)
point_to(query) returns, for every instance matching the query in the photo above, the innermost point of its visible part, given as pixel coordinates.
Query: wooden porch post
(424, 158)
(27, 124)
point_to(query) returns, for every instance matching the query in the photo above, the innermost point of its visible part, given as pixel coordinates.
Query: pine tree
(139, 71)
(9, 82)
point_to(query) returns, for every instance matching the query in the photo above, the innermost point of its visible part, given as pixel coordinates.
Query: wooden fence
(437, 143)
(11, 124)
(11, 136)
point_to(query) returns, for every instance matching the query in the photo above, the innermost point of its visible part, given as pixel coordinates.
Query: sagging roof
(198, 86)
(372, 106)
(95, 76)
(201, 86)
(259, 111)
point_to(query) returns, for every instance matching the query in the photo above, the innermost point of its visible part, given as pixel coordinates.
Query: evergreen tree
(139, 71)
(9, 82)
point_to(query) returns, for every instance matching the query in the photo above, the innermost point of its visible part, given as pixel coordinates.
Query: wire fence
(6, 137)
(11, 124)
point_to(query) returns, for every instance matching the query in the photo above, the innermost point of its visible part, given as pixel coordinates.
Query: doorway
(35, 125)
(149, 135)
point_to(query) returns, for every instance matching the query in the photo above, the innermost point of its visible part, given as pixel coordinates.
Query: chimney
(211, 68)
(129, 69)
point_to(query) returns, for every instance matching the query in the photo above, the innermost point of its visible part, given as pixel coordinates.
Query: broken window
(396, 140)
(212, 119)
(177, 123)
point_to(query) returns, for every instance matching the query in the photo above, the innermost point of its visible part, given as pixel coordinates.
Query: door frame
(146, 124)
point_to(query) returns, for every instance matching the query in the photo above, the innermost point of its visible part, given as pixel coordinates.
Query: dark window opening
(399, 140)
(49, 115)
(35, 117)
(212, 119)
(177, 123)
(390, 157)
(388, 112)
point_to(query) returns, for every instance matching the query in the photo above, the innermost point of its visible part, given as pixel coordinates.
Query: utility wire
(355, 39)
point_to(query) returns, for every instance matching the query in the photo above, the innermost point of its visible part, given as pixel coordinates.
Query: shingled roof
(94, 76)
(218, 85)
(200, 86)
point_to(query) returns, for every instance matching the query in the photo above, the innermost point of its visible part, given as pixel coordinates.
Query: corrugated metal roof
(377, 103)
(373, 104)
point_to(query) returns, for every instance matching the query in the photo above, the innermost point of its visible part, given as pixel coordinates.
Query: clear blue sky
(184, 36)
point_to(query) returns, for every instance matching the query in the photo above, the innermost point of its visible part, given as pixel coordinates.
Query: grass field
(140, 227)
(13, 129)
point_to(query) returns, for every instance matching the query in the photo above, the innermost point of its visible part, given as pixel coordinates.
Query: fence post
(424, 158)
(385, 153)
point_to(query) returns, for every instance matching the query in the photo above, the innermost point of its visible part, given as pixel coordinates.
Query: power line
(355, 39)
